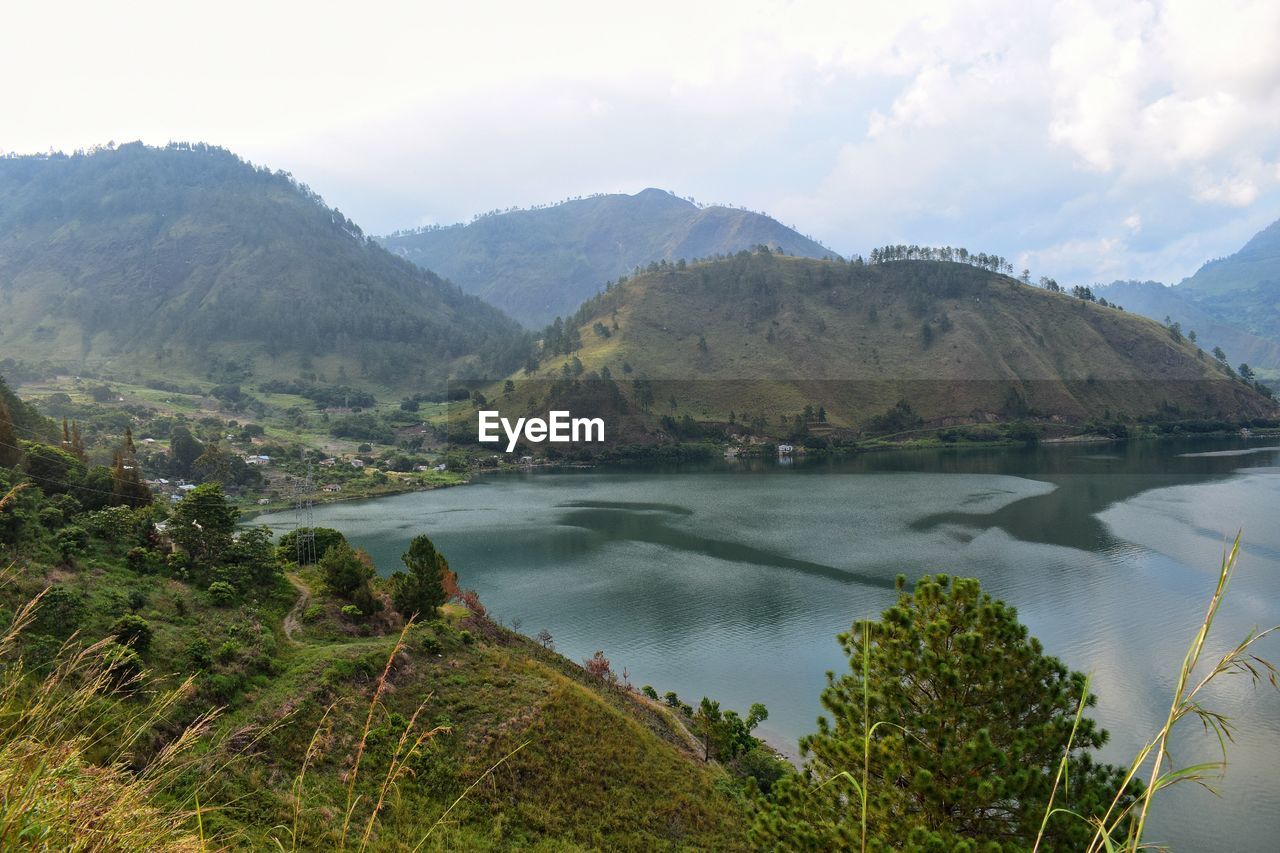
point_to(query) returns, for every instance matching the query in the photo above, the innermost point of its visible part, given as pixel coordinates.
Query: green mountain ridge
(1257, 264)
(1231, 302)
(542, 263)
(188, 261)
(763, 336)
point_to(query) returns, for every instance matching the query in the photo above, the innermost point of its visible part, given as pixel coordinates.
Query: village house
(332, 487)
(357, 463)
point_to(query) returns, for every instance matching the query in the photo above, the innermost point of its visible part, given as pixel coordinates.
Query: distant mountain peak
(543, 262)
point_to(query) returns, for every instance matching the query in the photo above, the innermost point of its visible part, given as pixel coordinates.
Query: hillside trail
(293, 619)
(675, 723)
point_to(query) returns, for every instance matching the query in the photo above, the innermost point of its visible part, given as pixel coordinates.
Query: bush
(124, 667)
(60, 612)
(222, 593)
(421, 590)
(117, 523)
(145, 561)
(71, 541)
(198, 653)
(352, 612)
(133, 631)
(324, 538)
(344, 571)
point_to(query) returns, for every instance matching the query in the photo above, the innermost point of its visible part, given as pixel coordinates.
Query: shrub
(198, 653)
(325, 538)
(71, 541)
(352, 612)
(344, 571)
(116, 523)
(133, 631)
(222, 593)
(598, 665)
(60, 611)
(124, 667)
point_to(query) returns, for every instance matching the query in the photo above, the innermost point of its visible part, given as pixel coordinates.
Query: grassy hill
(187, 261)
(759, 337)
(539, 264)
(453, 734)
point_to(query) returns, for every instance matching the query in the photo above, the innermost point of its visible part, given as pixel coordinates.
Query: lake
(731, 580)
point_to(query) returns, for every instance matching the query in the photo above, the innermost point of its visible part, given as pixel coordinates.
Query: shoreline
(1061, 441)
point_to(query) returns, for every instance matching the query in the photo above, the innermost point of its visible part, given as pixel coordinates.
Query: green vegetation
(542, 263)
(976, 722)
(193, 435)
(759, 344)
(422, 589)
(186, 262)
(341, 722)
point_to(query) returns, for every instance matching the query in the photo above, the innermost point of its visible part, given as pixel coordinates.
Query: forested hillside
(187, 260)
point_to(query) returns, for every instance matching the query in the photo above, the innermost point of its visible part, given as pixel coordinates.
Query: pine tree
(422, 590)
(968, 723)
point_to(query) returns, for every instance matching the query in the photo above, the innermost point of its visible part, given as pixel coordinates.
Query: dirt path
(672, 718)
(293, 619)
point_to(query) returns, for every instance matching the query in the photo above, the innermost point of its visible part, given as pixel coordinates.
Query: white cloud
(1089, 136)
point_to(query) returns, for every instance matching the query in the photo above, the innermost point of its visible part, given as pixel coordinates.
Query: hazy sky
(1087, 140)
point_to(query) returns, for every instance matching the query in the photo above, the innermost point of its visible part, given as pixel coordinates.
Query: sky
(1088, 141)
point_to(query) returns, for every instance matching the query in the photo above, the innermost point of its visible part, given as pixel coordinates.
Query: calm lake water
(732, 579)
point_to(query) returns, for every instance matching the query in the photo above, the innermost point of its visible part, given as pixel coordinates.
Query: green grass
(468, 735)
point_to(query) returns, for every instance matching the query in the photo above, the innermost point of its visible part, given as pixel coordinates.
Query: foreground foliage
(959, 721)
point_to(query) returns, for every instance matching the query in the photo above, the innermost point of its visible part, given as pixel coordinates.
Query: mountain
(1256, 267)
(187, 260)
(764, 336)
(542, 263)
(1158, 301)
(1231, 302)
